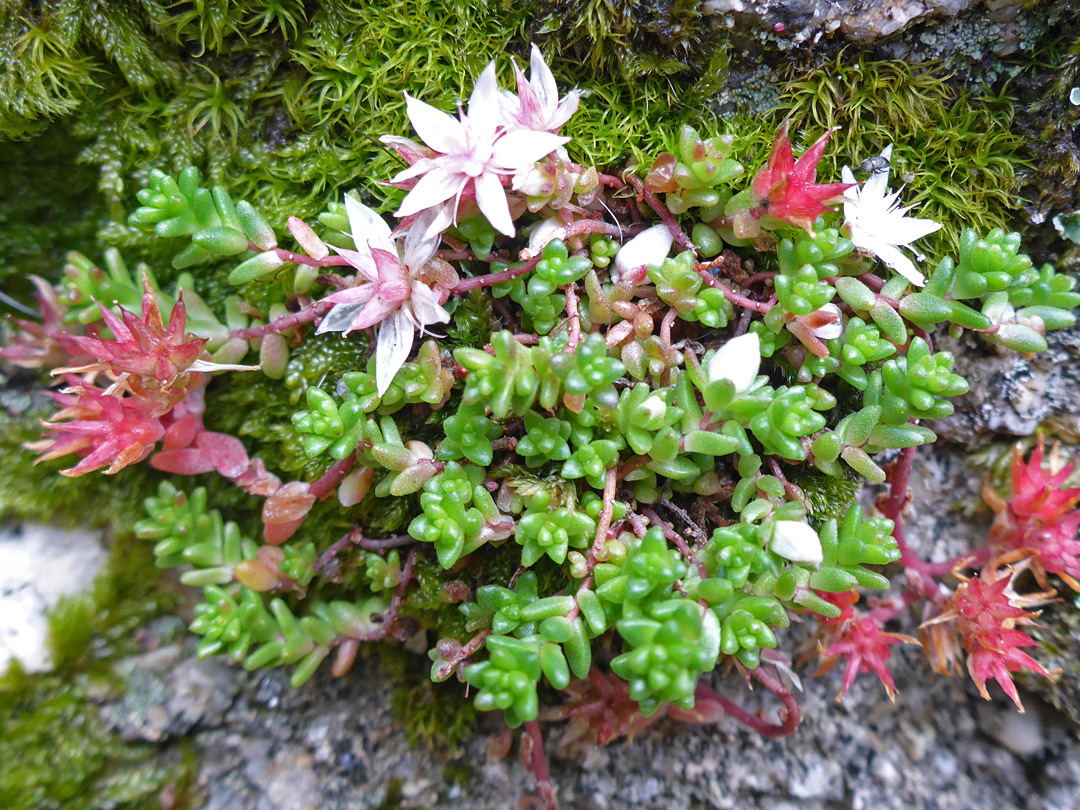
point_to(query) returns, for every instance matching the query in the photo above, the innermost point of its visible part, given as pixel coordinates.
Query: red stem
(677, 233)
(677, 539)
(297, 258)
(729, 294)
(575, 229)
(540, 768)
(306, 315)
(574, 316)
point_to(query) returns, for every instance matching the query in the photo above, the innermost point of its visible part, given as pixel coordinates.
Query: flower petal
(366, 225)
(435, 187)
(878, 183)
(425, 305)
(392, 349)
(894, 258)
(516, 150)
(340, 318)
(484, 106)
(491, 199)
(440, 131)
(542, 80)
(649, 248)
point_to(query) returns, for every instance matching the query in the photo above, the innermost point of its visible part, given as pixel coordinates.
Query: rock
(804, 20)
(38, 565)
(169, 693)
(1009, 394)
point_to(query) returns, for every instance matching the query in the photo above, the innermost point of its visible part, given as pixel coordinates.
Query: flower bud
(796, 541)
(650, 247)
(737, 361)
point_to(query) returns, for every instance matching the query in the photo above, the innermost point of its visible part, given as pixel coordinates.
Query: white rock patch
(38, 565)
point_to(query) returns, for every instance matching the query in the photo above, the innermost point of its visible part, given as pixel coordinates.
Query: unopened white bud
(738, 361)
(649, 248)
(796, 541)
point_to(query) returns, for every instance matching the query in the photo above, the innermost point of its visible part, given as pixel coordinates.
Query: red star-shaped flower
(786, 188)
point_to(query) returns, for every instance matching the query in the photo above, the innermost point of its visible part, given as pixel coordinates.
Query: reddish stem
(677, 539)
(306, 315)
(540, 768)
(729, 294)
(462, 655)
(661, 210)
(297, 258)
(708, 702)
(578, 228)
(574, 316)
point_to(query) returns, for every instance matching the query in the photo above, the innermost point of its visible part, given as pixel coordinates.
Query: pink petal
(375, 311)
(359, 294)
(360, 260)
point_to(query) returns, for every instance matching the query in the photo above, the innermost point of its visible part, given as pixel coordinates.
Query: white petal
(426, 307)
(893, 257)
(392, 349)
(797, 542)
(433, 188)
(484, 105)
(650, 247)
(906, 230)
(878, 183)
(491, 199)
(440, 131)
(517, 150)
(419, 247)
(367, 226)
(339, 318)
(544, 232)
(435, 220)
(542, 80)
(833, 329)
(847, 176)
(738, 361)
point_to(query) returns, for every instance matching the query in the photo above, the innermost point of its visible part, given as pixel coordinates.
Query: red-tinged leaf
(189, 461)
(226, 453)
(289, 504)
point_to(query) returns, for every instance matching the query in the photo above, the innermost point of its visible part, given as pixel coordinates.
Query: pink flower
(471, 157)
(986, 611)
(393, 290)
(105, 430)
(537, 106)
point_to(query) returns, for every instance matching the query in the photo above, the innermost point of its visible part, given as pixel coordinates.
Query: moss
(1058, 633)
(954, 150)
(432, 714)
(56, 749)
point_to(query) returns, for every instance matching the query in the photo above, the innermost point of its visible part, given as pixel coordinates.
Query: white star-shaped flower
(880, 225)
(473, 157)
(390, 291)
